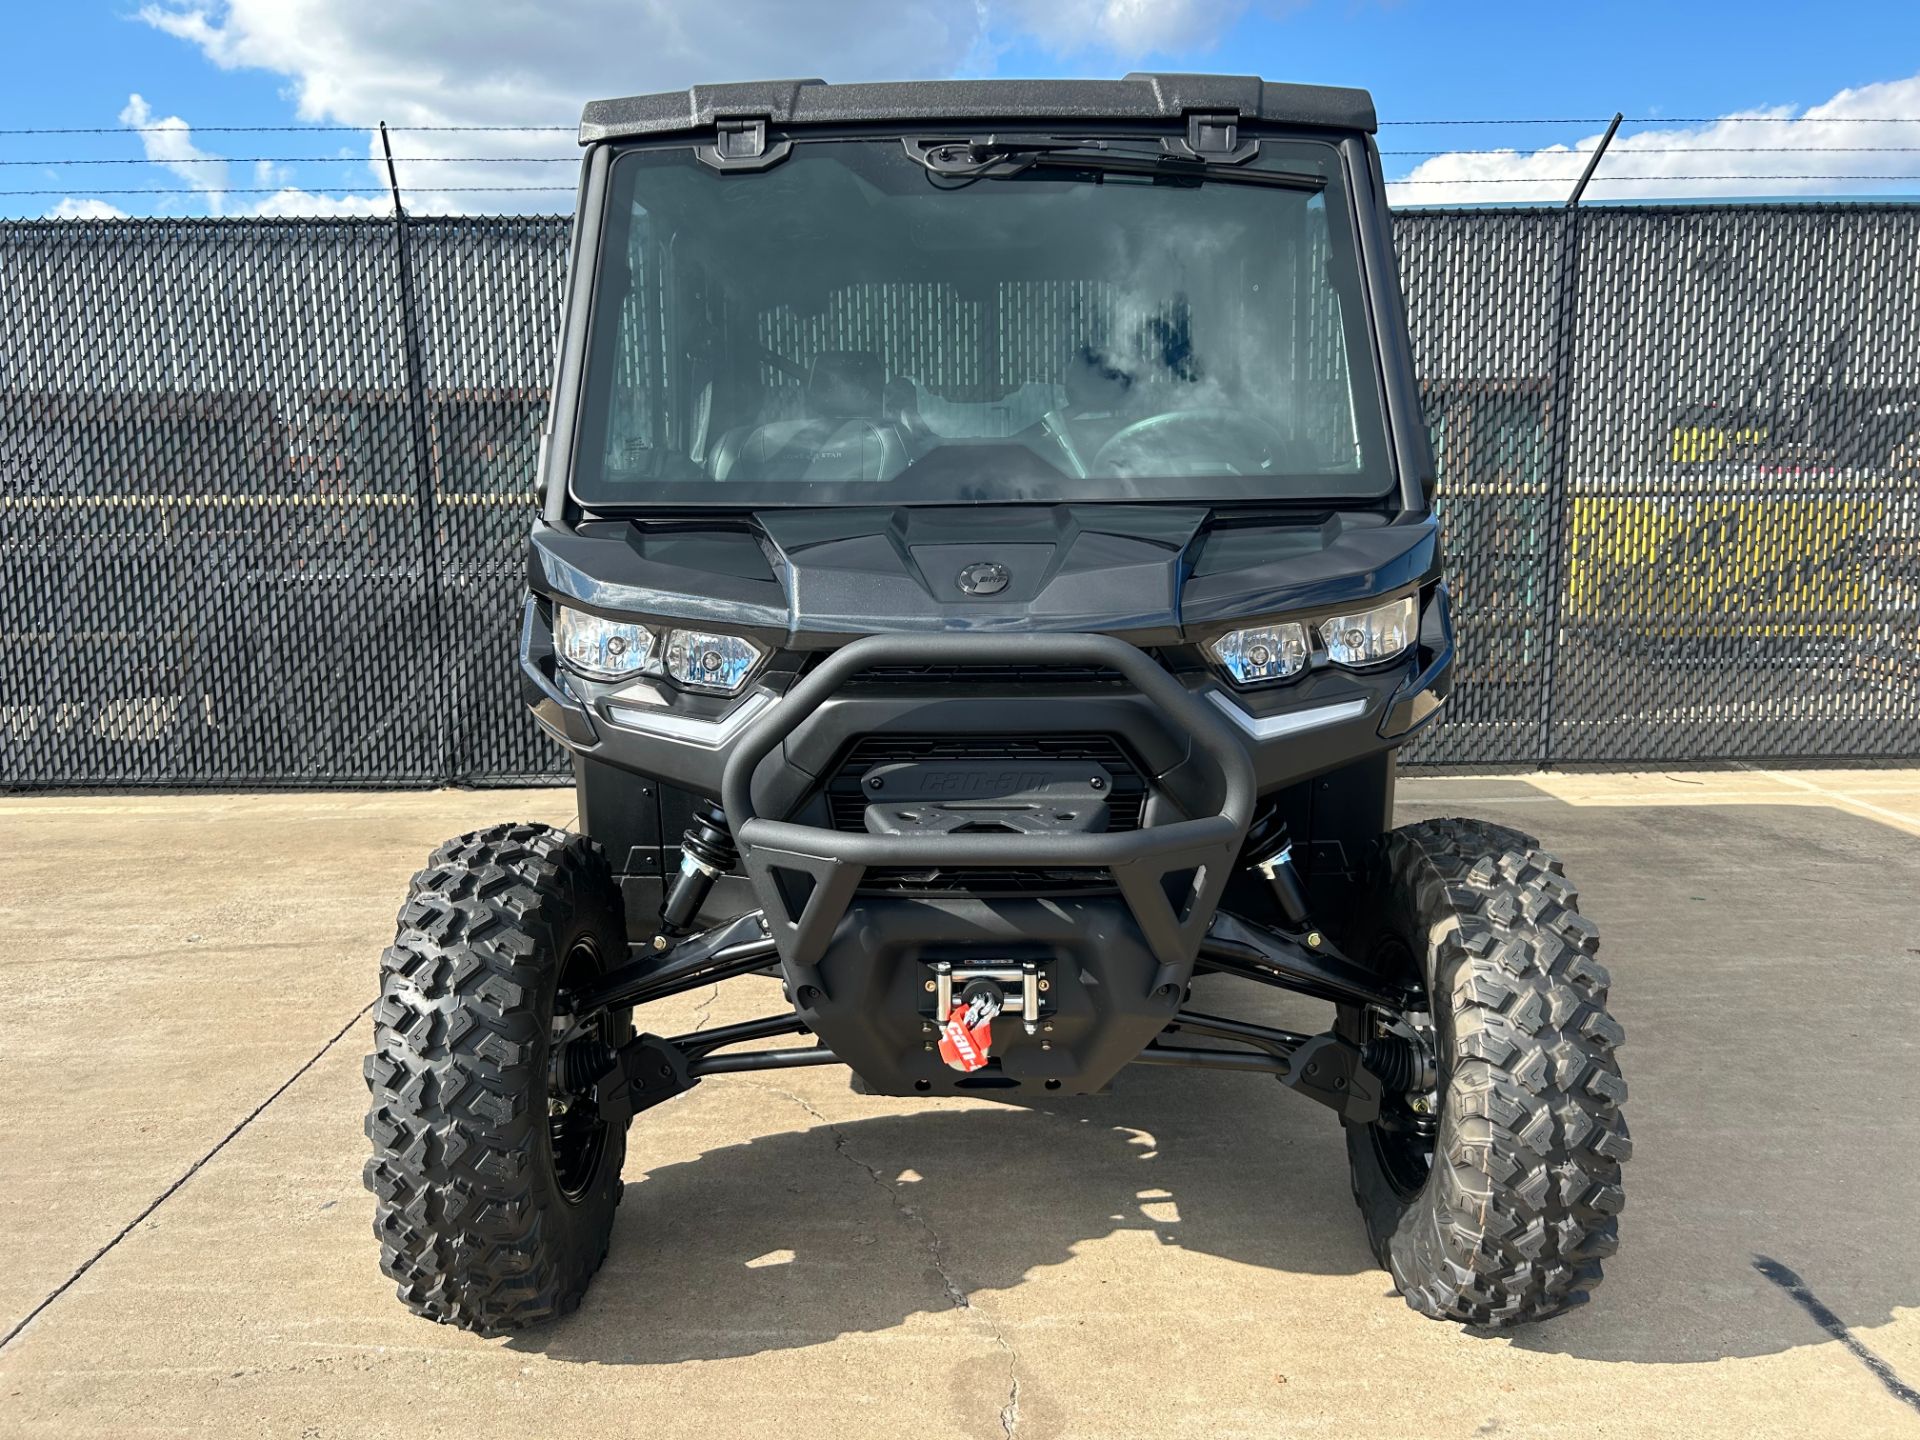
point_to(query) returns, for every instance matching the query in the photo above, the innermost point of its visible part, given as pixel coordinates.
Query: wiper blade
(992, 158)
(1177, 167)
(967, 159)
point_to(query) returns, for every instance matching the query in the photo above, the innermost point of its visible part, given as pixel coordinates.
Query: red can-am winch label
(966, 1037)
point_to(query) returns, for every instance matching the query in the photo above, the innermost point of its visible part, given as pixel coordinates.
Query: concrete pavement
(187, 981)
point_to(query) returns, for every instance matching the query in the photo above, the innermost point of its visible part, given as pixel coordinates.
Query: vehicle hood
(1148, 573)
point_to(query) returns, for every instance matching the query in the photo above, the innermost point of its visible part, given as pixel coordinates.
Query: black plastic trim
(557, 440)
(1139, 96)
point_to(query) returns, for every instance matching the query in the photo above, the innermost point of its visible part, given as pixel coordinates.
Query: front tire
(1491, 1197)
(495, 1188)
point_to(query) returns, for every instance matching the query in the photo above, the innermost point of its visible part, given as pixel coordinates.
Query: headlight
(604, 649)
(1370, 636)
(1266, 652)
(717, 663)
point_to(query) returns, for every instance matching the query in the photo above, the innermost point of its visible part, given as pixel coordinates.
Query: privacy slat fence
(263, 488)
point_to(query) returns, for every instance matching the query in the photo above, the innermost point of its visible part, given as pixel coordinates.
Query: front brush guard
(830, 864)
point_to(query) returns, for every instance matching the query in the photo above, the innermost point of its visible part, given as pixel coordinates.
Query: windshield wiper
(992, 158)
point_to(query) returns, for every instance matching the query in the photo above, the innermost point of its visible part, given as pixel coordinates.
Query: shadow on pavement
(798, 1237)
(1773, 1110)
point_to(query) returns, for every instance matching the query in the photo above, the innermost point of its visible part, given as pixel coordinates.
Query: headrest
(845, 384)
(901, 397)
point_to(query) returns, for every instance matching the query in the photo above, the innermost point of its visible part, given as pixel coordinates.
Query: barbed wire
(575, 159)
(276, 129)
(1688, 120)
(423, 186)
(1688, 150)
(571, 129)
(1605, 179)
(279, 189)
(319, 160)
(568, 189)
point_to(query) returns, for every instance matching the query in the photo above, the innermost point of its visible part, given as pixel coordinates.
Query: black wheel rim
(576, 1134)
(1403, 1138)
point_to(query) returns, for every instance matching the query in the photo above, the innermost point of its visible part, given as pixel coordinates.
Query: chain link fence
(264, 487)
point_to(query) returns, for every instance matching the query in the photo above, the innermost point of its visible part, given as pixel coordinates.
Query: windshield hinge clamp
(741, 139)
(740, 143)
(1215, 135)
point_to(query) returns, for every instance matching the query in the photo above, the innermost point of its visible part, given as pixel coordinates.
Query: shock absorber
(707, 852)
(1278, 869)
(1290, 892)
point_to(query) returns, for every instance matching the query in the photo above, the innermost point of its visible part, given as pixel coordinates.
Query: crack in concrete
(936, 1247)
(1010, 1412)
(936, 1251)
(192, 1170)
(704, 1009)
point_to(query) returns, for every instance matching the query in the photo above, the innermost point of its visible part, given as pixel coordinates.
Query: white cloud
(169, 143)
(1129, 30)
(270, 191)
(1776, 151)
(507, 62)
(419, 63)
(71, 208)
(291, 200)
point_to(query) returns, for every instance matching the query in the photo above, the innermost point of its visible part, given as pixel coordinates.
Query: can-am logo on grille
(984, 577)
(979, 782)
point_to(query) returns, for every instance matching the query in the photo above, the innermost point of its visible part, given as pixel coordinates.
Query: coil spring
(710, 840)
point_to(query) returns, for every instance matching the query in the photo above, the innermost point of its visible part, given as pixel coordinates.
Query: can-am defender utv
(987, 567)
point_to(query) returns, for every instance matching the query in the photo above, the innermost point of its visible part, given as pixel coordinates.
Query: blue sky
(225, 63)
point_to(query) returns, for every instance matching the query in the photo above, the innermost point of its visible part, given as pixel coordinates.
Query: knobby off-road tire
(491, 1214)
(1518, 1203)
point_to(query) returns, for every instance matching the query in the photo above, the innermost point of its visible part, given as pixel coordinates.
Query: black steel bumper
(859, 965)
(830, 863)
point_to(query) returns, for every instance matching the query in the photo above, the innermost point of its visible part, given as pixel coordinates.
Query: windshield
(850, 327)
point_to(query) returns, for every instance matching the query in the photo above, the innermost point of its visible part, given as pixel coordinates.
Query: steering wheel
(1244, 443)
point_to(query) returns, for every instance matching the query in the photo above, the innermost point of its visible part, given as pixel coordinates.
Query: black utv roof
(1138, 97)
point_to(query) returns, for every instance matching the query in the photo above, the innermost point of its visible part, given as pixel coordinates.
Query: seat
(846, 434)
(901, 404)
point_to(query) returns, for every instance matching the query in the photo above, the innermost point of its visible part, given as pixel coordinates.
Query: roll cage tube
(1409, 442)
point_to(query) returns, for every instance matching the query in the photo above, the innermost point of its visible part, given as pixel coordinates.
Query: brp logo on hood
(984, 577)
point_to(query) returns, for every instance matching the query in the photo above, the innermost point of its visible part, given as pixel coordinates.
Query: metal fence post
(1566, 338)
(412, 329)
(1559, 462)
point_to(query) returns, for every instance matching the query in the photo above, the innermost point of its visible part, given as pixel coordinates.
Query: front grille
(849, 811)
(871, 750)
(847, 804)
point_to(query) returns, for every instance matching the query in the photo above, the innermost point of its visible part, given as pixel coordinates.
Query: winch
(965, 1022)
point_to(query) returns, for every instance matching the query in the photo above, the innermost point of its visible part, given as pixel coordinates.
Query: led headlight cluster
(1369, 637)
(1274, 651)
(1268, 652)
(702, 661)
(604, 649)
(715, 663)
